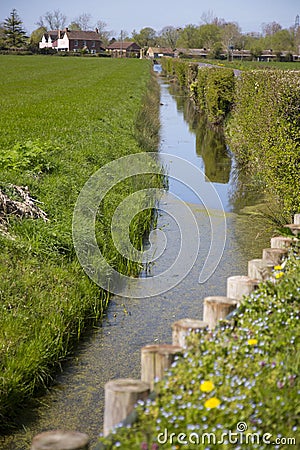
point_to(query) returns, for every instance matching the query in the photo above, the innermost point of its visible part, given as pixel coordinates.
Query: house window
(75, 43)
(84, 43)
(93, 44)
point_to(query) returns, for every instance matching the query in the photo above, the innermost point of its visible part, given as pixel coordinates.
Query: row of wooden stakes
(121, 395)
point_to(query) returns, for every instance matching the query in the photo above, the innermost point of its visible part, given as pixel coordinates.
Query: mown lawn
(60, 120)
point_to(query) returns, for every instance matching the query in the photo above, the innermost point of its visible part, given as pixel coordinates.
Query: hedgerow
(211, 89)
(264, 132)
(215, 92)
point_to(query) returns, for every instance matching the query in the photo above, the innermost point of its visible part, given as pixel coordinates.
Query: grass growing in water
(69, 116)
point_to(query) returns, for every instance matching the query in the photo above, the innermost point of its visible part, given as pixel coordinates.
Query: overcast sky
(136, 14)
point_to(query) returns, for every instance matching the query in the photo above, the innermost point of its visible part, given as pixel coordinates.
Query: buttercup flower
(252, 341)
(278, 275)
(277, 267)
(212, 402)
(207, 386)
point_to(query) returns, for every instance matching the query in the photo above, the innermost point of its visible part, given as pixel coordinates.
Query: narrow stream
(76, 400)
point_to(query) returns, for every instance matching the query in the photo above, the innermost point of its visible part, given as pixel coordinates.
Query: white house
(72, 41)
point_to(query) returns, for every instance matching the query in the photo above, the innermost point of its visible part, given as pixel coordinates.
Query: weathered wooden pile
(121, 395)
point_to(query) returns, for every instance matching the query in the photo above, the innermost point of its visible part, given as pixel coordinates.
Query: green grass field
(253, 65)
(60, 120)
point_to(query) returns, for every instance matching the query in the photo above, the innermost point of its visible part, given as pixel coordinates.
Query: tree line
(214, 34)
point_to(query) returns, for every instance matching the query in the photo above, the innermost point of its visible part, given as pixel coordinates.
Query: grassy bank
(254, 65)
(60, 120)
(246, 372)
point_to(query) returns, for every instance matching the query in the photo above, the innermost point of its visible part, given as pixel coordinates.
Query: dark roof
(82, 35)
(161, 50)
(192, 51)
(124, 45)
(53, 34)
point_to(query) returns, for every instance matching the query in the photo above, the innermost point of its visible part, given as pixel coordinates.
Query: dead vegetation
(16, 201)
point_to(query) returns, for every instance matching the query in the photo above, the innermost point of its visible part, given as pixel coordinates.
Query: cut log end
(60, 440)
(217, 308)
(240, 285)
(183, 327)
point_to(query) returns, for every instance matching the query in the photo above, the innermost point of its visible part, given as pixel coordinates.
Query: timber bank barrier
(121, 395)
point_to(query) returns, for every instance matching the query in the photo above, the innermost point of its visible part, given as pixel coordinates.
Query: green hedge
(264, 132)
(212, 89)
(215, 92)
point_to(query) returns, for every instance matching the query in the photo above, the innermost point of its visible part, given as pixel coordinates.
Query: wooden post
(121, 395)
(258, 269)
(183, 327)
(295, 228)
(155, 359)
(240, 285)
(274, 256)
(281, 242)
(217, 308)
(297, 219)
(60, 440)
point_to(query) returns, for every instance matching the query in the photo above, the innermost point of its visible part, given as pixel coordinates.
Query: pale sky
(136, 14)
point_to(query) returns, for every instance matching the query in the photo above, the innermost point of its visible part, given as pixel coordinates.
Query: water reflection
(239, 194)
(210, 141)
(210, 145)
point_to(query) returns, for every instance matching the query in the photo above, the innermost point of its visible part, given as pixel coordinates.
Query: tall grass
(85, 112)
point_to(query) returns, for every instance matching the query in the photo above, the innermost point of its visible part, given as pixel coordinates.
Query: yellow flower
(277, 267)
(252, 341)
(278, 275)
(212, 402)
(207, 386)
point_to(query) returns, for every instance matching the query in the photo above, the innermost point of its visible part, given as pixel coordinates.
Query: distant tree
(36, 37)
(105, 35)
(189, 37)
(146, 37)
(210, 35)
(124, 36)
(282, 40)
(168, 37)
(208, 16)
(296, 33)
(53, 20)
(2, 36)
(84, 21)
(230, 35)
(74, 26)
(271, 28)
(14, 32)
(257, 48)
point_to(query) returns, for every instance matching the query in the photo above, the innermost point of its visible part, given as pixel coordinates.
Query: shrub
(29, 155)
(212, 89)
(264, 132)
(215, 92)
